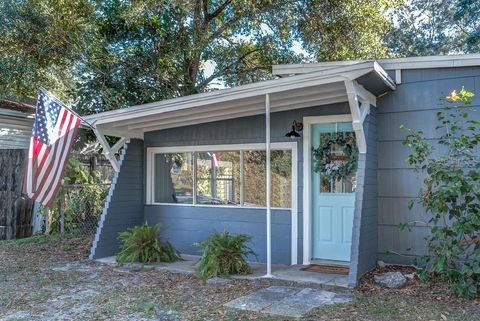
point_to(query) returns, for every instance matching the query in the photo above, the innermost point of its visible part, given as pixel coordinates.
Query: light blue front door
(332, 200)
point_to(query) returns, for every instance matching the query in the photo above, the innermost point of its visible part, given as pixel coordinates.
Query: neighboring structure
(198, 163)
(16, 120)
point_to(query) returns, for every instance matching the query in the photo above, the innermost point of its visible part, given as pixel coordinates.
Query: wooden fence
(15, 209)
(18, 214)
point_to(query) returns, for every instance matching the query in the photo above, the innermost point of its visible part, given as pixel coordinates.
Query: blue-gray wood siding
(414, 104)
(242, 131)
(125, 207)
(184, 225)
(364, 239)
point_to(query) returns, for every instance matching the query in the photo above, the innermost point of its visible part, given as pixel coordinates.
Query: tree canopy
(107, 54)
(435, 27)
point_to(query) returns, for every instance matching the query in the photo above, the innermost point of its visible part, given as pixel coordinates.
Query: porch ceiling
(313, 89)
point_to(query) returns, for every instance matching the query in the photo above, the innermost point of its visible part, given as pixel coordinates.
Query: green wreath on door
(323, 158)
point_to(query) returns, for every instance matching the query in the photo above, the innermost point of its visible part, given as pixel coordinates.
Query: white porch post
(269, 210)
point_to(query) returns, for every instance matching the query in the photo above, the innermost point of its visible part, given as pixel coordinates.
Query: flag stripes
(54, 131)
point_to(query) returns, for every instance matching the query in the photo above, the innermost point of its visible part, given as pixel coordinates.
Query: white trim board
(307, 178)
(293, 146)
(387, 64)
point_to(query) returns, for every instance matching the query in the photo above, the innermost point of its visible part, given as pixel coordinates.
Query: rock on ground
(218, 281)
(392, 280)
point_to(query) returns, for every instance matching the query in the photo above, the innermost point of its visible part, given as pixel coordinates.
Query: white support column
(269, 210)
(194, 168)
(242, 178)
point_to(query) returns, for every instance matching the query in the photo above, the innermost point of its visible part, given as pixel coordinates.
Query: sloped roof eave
(135, 120)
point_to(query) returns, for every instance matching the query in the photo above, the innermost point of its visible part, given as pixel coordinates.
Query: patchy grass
(48, 278)
(378, 307)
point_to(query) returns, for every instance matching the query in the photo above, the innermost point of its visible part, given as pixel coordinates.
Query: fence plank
(62, 212)
(15, 210)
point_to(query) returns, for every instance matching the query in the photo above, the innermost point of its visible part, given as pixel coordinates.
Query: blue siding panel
(124, 209)
(414, 104)
(365, 233)
(184, 225)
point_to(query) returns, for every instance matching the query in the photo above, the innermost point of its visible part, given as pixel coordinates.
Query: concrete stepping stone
(287, 301)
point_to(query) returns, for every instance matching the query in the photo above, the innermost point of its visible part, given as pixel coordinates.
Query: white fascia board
(234, 106)
(387, 64)
(240, 92)
(380, 71)
(233, 115)
(254, 107)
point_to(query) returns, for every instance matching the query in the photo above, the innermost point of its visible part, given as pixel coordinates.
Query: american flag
(54, 131)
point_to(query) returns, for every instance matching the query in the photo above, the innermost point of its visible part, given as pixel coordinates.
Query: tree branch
(217, 12)
(222, 72)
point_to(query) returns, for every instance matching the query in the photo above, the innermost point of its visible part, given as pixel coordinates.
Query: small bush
(450, 195)
(224, 254)
(142, 244)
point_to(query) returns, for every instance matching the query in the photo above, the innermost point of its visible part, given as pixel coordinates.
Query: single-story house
(339, 181)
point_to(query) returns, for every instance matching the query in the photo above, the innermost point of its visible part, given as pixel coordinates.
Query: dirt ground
(48, 278)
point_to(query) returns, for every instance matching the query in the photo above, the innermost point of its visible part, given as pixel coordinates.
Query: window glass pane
(254, 165)
(173, 178)
(255, 178)
(281, 166)
(218, 178)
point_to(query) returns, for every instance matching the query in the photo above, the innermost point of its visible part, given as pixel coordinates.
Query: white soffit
(313, 89)
(387, 64)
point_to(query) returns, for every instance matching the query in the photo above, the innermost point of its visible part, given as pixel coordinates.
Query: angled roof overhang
(424, 62)
(313, 89)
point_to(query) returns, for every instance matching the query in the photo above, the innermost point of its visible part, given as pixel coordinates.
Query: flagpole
(70, 109)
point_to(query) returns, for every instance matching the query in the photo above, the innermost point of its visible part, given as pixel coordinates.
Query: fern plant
(224, 254)
(142, 244)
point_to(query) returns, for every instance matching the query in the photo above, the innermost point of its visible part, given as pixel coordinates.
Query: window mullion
(242, 180)
(194, 178)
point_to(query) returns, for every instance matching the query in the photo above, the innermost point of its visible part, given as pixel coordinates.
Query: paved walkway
(287, 301)
(281, 272)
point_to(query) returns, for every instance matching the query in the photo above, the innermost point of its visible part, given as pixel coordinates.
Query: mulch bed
(433, 290)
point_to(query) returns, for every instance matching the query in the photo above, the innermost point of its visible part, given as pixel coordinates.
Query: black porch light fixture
(296, 127)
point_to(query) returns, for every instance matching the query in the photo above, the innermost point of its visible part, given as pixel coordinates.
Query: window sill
(220, 206)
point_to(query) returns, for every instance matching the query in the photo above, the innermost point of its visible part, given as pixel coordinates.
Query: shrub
(142, 244)
(224, 254)
(451, 195)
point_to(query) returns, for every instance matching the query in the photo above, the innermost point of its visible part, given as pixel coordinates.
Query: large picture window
(234, 176)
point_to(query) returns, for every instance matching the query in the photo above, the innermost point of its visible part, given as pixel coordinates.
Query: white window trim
(292, 146)
(307, 177)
